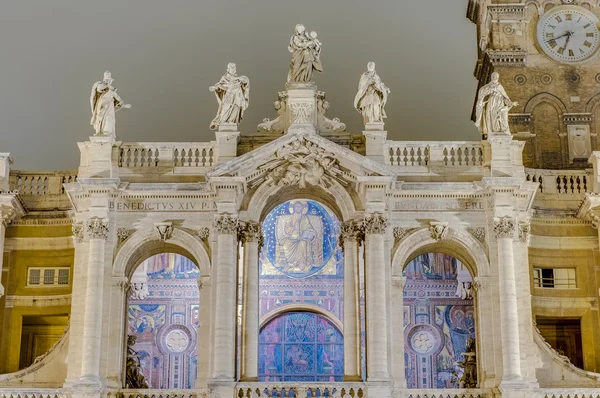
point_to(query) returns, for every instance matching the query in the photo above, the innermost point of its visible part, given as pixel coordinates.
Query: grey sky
(164, 55)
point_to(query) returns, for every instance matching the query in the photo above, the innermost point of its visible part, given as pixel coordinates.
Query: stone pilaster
(505, 232)
(251, 236)
(7, 215)
(97, 232)
(204, 331)
(349, 237)
(376, 298)
(226, 227)
(397, 328)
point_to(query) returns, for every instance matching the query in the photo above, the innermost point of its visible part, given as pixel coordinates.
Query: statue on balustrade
(372, 96)
(492, 108)
(306, 55)
(134, 378)
(233, 96)
(105, 102)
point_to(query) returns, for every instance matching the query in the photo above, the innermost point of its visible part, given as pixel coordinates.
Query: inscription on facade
(162, 206)
(437, 204)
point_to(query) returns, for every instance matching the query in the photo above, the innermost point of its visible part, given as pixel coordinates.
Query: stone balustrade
(307, 390)
(565, 182)
(36, 183)
(427, 156)
(31, 393)
(568, 393)
(146, 156)
(152, 393)
(443, 393)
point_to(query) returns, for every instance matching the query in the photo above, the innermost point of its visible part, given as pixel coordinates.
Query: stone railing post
(377, 327)
(505, 232)
(97, 232)
(251, 236)
(226, 228)
(349, 237)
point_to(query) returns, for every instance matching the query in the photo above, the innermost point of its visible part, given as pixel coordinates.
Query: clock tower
(546, 52)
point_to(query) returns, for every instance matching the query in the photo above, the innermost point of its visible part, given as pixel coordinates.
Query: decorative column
(226, 227)
(349, 239)
(7, 215)
(97, 231)
(504, 229)
(252, 237)
(376, 298)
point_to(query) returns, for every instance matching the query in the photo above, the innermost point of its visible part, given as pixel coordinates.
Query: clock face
(568, 33)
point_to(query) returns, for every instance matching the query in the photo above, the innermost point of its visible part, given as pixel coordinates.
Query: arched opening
(439, 323)
(301, 267)
(163, 316)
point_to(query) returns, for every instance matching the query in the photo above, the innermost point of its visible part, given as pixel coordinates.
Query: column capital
(351, 230)
(524, 232)
(97, 228)
(251, 231)
(7, 215)
(78, 231)
(226, 224)
(504, 227)
(375, 223)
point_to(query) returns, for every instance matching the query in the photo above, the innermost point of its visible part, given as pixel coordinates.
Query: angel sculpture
(492, 107)
(105, 101)
(372, 96)
(233, 96)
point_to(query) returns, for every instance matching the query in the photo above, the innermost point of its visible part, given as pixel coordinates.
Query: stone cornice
(38, 301)
(507, 12)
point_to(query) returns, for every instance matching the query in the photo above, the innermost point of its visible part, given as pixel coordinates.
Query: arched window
(163, 315)
(301, 268)
(301, 346)
(439, 323)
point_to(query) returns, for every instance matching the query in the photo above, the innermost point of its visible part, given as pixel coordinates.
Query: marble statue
(233, 96)
(492, 108)
(306, 55)
(105, 102)
(134, 378)
(372, 96)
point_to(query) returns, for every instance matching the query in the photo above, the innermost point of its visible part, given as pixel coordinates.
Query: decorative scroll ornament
(97, 228)
(524, 232)
(124, 233)
(302, 163)
(478, 233)
(163, 230)
(437, 230)
(203, 233)
(227, 224)
(77, 229)
(504, 227)
(251, 231)
(375, 223)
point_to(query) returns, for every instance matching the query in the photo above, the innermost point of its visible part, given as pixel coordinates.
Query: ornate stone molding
(504, 227)
(577, 118)
(78, 232)
(478, 233)
(514, 58)
(124, 233)
(226, 224)
(522, 119)
(163, 230)
(97, 228)
(203, 233)
(437, 230)
(511, 12)
(375, 223)
(524, 232)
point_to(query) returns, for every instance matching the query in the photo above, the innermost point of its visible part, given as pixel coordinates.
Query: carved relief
(478, 233)
(203, 233)
(504, 227)
(437, 230)
(97, 228)
(163, 230)
(226, 224)
(375, 223)
(524, 232)
(580, 146)
(124, 233)
(302, 112)
(302, 163)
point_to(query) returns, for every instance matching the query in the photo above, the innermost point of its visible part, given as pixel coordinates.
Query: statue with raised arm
(105, 101)
(491, 110)
(233, 96)
(372, 96)
(306, 55)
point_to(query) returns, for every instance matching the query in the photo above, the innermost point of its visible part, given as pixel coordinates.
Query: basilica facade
(307, 261)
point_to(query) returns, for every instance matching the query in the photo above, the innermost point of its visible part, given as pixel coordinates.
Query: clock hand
(560, 37)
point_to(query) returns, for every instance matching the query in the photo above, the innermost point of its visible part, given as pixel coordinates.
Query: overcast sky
(164, 55)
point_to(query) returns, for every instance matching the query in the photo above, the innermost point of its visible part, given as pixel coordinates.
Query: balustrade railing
(450, 393)
(31, 393)
(411, 154)
(40, 183)
(308, 390)
(151, 393)
(148, 156)
(561, 181)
